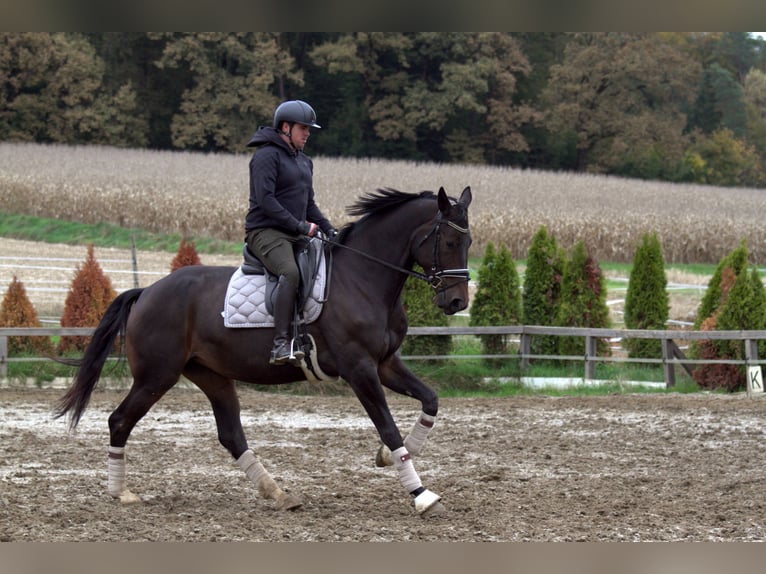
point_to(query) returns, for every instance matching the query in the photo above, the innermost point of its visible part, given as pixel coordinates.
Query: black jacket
(281, 187)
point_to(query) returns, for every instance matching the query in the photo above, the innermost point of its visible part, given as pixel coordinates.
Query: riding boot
(284, 309)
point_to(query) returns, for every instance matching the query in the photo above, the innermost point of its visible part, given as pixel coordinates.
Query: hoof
(426, 501)
(128, 497)
(433, 511)
(383, 457)
(289, 502)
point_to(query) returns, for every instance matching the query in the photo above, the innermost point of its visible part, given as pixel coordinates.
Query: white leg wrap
(259, 475)
(407, 475)
(417, 437)
(249, 463)
(115, 483)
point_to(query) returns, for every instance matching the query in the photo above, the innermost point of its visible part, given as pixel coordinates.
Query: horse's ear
(466, 197)
(444, 203)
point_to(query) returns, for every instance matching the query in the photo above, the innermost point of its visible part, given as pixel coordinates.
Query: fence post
(590, 353)
(668, 369)
(135, 260)
(3, 356)
(525, 348)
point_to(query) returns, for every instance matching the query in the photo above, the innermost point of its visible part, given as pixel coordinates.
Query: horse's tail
(112, 324)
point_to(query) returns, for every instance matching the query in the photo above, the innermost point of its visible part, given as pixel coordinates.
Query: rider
(282, 210)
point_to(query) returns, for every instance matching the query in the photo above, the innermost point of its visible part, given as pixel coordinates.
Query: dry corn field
(206, 195)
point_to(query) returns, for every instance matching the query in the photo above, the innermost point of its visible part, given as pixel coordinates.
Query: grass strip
(31, 228)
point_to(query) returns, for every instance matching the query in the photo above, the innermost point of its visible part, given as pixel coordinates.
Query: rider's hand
(307, 228)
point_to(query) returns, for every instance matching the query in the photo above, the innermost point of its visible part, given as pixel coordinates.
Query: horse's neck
(388, 241)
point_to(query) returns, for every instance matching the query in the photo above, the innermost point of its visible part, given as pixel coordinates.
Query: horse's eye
(451, 244)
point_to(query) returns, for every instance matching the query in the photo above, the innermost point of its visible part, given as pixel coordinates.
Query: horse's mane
(378, 202)
(383, 200)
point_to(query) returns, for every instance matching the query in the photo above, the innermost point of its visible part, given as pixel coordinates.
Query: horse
(174, 327)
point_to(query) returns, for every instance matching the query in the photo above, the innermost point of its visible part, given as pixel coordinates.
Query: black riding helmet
(295, 112)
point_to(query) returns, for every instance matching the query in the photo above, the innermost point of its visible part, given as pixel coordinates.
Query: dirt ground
(616, 468)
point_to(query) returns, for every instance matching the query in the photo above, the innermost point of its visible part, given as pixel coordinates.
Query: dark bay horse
(174, 327)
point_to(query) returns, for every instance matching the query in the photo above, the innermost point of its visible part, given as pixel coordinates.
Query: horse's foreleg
(425, 501)
(373, 399)
(414, 441)
(397, 377)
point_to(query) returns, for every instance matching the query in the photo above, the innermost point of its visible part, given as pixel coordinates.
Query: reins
(434, 279)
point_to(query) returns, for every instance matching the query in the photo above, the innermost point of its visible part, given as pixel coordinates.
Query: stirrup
(282, 356)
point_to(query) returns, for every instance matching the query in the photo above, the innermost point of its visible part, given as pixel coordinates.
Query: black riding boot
(284, 309)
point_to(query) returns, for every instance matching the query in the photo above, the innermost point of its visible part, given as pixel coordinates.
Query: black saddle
(307, 258)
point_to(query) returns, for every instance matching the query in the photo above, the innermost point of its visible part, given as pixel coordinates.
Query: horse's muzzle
(452, 299)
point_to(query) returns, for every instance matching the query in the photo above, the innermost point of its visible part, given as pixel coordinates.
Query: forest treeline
(682, 107)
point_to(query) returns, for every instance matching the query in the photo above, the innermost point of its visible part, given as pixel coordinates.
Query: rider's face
(300, 135)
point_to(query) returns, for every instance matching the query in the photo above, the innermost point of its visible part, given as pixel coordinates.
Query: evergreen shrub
(17, 311)
(647, 305)
(89, 295)
(497, 300)
(583, 301)
(542, 288)
(186, 255)
(417, 299)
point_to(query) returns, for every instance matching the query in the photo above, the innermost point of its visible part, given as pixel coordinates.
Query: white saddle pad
(245, 302)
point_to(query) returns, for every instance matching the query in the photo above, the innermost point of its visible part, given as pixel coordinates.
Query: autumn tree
(17, 311)
(51, 90)
(89, 295)
(419, 83)
(622, 98)
(755, 109)
(239, 69)
(186, 255)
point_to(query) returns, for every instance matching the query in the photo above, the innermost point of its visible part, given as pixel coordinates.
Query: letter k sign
(755, 380)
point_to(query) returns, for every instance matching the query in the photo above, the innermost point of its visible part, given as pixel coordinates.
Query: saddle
(248, 299)
(307, 259)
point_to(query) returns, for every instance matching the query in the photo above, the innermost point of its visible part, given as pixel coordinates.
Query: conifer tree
(497, 300)
(17, 311)
(186, 255)
(736, 261)
(742, 307)
(542, 288)
(758, 307)
(647, 305)
(89, 295)
(583, 300)
(417, 299)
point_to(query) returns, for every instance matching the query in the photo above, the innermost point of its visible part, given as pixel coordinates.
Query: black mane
(382, 200)
(378, 202)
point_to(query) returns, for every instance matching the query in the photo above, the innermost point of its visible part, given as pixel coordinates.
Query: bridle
(436, 275)
(434, 278)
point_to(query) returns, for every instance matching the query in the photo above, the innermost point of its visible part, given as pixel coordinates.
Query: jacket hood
(264, 135)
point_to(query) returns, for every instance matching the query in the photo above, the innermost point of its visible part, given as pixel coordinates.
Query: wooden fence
(672, 355)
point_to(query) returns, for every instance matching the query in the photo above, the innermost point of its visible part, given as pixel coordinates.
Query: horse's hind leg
(397, 377)
(222, 394)
(134, 406)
